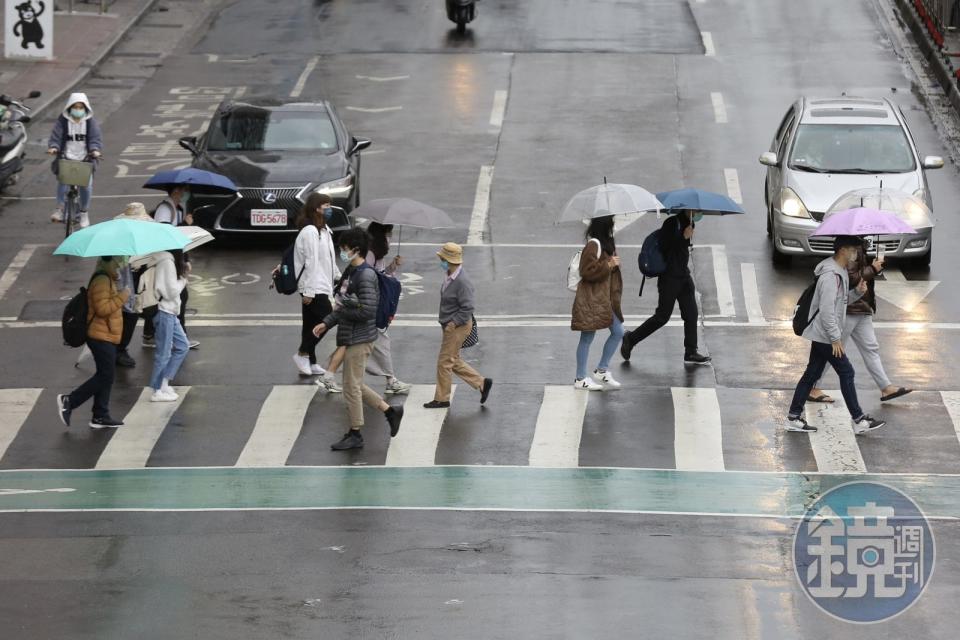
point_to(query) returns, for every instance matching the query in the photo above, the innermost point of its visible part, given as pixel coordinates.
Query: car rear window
(252, 129)
(859, 148)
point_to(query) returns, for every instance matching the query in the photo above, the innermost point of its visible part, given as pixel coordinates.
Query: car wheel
(779, 259)
(769, 224)
(924, 260)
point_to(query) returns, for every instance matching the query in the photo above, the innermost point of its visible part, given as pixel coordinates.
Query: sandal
(902, 391)
(824, 398)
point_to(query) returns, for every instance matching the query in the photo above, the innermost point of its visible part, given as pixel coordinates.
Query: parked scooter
(13, 137)
(461, 12)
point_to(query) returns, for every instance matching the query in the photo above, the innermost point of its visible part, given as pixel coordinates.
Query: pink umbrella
(863, 222)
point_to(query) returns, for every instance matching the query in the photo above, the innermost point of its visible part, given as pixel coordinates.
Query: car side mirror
(359, 144)
(769, 159)
(339, 220)
(933, 162)
(190, 144)
(34, 94)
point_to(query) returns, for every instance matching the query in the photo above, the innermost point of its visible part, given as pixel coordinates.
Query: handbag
(474, 337)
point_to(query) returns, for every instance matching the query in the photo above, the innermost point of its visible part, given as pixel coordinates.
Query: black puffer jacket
(356, 315)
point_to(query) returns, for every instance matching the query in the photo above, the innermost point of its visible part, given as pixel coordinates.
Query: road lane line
(16, 265)
(732, 178)
(721, 274)
(834, 445)
(481, 206)
(499, 109)
(374, 109)
(131, 445)
(698, 436)
(302, 80)
(751, 292)
(719, 108)
(556, 437)
(951, 400)
(708, 49)
(382, 78)
(136, 197)
(15, 406)
(416, 443)
(278, 426)
(892, 274)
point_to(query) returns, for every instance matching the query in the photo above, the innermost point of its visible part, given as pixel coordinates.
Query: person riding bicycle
(76, 136)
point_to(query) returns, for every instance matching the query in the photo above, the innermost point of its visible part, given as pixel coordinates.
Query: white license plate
(268, 218)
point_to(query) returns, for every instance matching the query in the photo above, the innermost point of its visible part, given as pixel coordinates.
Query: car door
(779, 146)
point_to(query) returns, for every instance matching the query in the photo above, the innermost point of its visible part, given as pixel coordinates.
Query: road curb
(93, 61)
(942, 69)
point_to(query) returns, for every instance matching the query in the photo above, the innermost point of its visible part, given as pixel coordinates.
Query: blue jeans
(172, 347)
(609, 348)
(85, 194)
(820, 354)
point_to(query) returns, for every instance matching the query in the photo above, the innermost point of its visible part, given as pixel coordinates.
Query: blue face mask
(78, 113)
(445, 265)
(185, 198)
(345, 256)
(697, 217)
(327, 213)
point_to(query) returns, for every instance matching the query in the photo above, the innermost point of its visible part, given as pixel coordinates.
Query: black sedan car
(277, 153)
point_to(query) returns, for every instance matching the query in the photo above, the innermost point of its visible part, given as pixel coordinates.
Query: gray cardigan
(456, 301)
(356, 318)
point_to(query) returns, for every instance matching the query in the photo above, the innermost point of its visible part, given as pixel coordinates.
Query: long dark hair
(178, 262)
(379, 243)
(310, 211)
(602, 229)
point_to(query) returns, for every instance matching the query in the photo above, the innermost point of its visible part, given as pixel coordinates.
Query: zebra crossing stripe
(834, 445)
(951, 400)
(15, 406)
(416, 444)
(131, 445)
(698, 439)
(278, 426)
(556, 437)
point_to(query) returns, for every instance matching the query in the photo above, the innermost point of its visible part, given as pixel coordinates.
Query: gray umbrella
(404, 212)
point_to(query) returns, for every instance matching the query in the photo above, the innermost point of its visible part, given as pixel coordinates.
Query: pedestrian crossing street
(696, 429)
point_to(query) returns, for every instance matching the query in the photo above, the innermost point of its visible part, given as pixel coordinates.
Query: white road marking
(556, 438)
(732, 178)
(382, 79)
(302, 80)
(903, 293)
(751, 292)
(16, 265)
(834, 446)
(374, 110)
(134, 198)
(15, 406)
(481, 206)
(721, 274)
(131, 445)
(698, 437)
(416, 443)
(708, 49)
(278, 426)
(20, 492)
(951, 400)
(212, 57)
(499, 109)
(719, 107)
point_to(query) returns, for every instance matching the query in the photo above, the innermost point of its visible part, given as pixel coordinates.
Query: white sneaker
(327, 382)
(865, 424)
(84, 220)
(397, 388)
(317, 370)
(57, 216)
(161, 396)
(303, 364)
(606, 378)
(587, 384)
(168, 391)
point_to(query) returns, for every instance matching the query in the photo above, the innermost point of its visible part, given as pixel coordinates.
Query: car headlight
(791, 204)
(334, 188)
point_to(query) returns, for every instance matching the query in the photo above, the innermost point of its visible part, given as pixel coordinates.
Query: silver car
(826, 147)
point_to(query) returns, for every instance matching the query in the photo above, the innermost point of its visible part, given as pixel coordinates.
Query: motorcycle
(461, 12)
(13, 137)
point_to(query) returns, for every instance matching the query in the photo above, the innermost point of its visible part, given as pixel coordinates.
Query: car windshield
(251, 129)
(854, 148)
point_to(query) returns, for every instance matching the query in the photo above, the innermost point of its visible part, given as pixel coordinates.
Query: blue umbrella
(207, 181)
(706, 202)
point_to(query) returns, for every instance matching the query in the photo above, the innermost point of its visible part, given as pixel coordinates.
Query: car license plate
(268, 218)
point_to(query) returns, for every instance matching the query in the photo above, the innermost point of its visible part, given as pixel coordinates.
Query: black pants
(821, 354)
(129, 326)
(671, 291)
(148, 331)
(99, 385)
(313, 314)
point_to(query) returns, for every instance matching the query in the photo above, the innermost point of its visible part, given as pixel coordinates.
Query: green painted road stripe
(481, 488)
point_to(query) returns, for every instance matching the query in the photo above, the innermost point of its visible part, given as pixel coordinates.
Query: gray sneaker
(397, 388)
(328, 383)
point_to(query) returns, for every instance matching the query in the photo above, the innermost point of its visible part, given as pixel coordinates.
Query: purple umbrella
(863, 222)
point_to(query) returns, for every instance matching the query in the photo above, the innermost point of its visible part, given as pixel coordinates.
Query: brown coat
(863, 270)
(599, 292)
(105, 305)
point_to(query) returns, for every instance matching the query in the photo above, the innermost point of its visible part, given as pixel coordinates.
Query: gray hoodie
(832, 296)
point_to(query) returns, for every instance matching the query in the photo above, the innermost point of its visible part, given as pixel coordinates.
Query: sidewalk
(81, 41)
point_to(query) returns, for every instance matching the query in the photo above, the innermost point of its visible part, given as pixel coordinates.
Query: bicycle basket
(74, 172)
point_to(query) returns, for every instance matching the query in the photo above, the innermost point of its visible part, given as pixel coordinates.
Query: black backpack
(801, 312)
(283, 280)
(651, 261)
(74, 323)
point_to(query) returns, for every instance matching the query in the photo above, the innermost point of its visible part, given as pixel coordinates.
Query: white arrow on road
(382, 79)
(19, 492)
(899, 291)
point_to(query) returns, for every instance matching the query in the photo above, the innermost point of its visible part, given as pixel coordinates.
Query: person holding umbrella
(128, 280)
(171, 342)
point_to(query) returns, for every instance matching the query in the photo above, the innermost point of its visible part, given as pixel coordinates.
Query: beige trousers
(450, 362)
(355, 392)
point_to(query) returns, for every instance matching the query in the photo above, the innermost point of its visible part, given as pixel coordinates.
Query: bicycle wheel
(71, 209)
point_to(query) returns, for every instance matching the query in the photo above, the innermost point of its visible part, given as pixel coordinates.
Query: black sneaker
(799, 425)
(352, 439)
(105, 422)
(63, 409)
(625, 349)
(866, 423)
(124, 360)
(696, 358)
(485, 391)
(436, 404)
(394, 416)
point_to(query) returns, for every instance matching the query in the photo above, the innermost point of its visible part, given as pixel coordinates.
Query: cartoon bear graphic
(29, 24)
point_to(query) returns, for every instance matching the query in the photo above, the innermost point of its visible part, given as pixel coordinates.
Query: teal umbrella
(122, 238)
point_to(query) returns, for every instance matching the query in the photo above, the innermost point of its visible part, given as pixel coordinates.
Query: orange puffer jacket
(105, 305)
(599, 292)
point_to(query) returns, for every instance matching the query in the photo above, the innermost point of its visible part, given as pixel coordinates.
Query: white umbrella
(198, 236)
(609, 199)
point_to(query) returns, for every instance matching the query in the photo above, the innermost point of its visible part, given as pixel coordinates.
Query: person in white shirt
(171, 342)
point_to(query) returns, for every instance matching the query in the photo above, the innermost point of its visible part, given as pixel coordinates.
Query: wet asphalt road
(593, 89)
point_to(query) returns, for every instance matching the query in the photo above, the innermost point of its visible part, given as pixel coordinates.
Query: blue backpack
(651, 260)
(390, 289)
